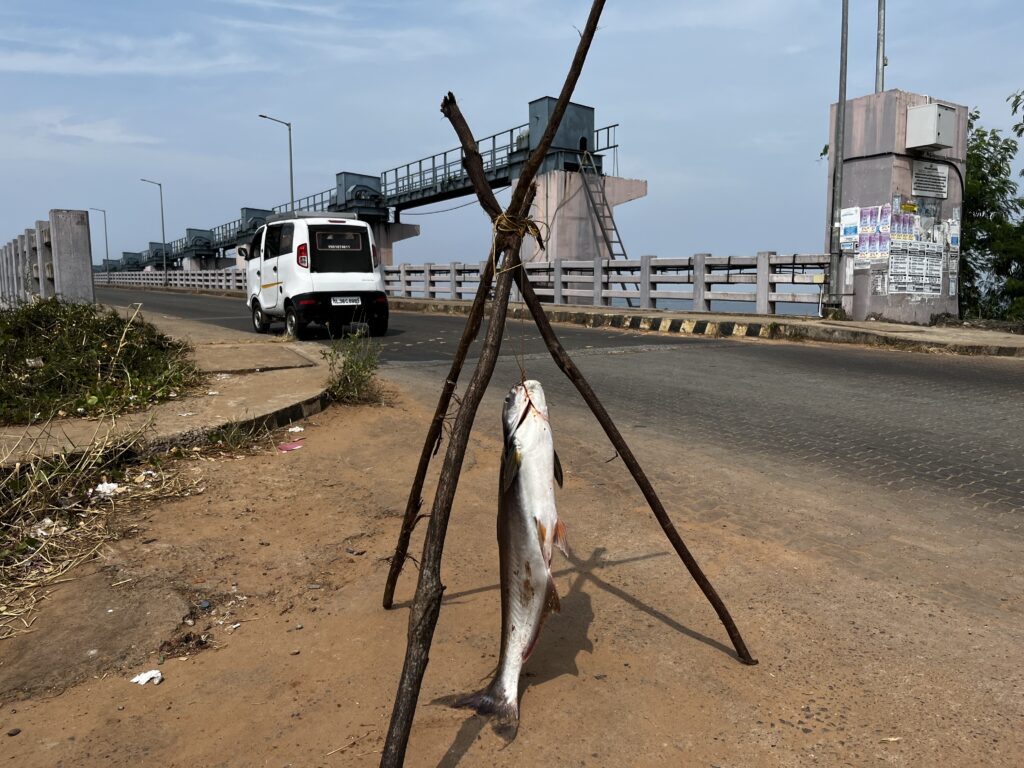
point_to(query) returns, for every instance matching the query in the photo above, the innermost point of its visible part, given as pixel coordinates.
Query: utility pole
(838, 143)
(880, 50)
(106, 244)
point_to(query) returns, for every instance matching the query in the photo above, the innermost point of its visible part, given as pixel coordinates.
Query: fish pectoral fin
(509, 466)
(561, 541)
(551, 603)
(558, 470)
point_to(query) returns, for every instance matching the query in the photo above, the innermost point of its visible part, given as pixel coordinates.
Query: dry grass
(58, 510)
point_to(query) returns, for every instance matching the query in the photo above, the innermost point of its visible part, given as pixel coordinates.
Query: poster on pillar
(874, 234)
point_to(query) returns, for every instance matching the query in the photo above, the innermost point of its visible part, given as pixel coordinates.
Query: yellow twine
(510, 225)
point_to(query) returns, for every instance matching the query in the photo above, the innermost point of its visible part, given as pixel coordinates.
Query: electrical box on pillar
(902, 194)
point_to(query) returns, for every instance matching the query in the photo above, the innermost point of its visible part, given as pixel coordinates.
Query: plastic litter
(285, 447)
(107, 489)
(154, 676)
(296, 429)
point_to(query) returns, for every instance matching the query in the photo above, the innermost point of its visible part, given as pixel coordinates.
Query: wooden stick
(568, 367)
(427, 603)
(413, 504)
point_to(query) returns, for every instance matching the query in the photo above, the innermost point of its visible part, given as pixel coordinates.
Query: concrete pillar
(556, 281)
(44, 259)
(599, 300)
(32, 252)
(3, 276)
(645, 282)
(428, 285)
(72, 255)
(26, 267)
(700, 283)
(455, 279)
(385, 235)
(764, 269)
(403, 281)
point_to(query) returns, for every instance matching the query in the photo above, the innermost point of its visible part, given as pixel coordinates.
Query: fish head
(523, 402)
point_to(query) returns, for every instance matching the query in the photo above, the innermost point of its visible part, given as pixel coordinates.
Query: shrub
(58, 358)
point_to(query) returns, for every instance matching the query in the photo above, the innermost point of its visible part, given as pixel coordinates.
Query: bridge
(435, 178)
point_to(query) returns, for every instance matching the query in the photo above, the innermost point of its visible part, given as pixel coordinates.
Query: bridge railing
(740, 283)
(198, 280)
(321, 201)
(764, 280)
(444, 170)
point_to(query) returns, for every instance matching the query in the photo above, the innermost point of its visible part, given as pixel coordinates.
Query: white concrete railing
(646, 283)
(201, 279)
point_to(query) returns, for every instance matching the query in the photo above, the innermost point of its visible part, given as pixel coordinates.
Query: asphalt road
(913, 424)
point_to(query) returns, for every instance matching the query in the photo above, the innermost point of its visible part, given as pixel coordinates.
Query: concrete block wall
(53, 258)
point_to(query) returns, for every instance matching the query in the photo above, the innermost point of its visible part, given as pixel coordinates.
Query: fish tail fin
(493, 702)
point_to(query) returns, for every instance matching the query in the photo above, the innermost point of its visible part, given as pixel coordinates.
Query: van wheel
(292, 326)
(260, 323)
(378, 326)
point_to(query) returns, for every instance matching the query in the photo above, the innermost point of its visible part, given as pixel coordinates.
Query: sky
(722, 107)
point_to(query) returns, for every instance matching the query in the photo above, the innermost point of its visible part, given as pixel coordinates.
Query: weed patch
(352, 370)
(58, 359)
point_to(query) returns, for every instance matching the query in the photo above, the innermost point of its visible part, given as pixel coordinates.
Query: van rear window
(339, 249)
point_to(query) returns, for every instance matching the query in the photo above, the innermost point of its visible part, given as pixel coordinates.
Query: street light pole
(839, 142)
(291, 172)
(163, 234)
(880, 50)
(106, 244)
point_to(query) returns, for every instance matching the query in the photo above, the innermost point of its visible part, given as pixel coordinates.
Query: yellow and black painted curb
(782, 329)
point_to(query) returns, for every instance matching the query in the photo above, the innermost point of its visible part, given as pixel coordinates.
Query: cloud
(69, 52)
(59, 125)
(308, 9)
(349, 42)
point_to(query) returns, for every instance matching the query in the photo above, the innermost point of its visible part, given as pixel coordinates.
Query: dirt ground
(881, 641)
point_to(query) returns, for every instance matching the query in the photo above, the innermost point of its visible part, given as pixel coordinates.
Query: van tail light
(302, 256)
(381, 300)
(373, 254)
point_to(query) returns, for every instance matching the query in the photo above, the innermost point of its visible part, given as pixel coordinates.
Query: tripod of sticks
(510, 227)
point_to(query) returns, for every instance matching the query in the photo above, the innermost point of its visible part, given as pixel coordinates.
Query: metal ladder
(593, 186)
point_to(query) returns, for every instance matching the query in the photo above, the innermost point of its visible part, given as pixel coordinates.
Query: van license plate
(345, 301)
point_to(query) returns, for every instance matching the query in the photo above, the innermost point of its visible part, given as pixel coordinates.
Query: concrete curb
(777, 328)
(757, 328)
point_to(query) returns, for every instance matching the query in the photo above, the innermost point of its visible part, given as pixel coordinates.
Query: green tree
(992, 241)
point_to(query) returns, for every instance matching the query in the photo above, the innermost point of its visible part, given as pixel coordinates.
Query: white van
(315, 268)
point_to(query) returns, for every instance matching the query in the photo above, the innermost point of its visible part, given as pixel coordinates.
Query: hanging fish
(528, 528)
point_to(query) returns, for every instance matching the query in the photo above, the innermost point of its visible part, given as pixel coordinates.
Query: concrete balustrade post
(26, 267)
(4, 274)
(556, 281)
(700, 283)
(764, 288)
(428, 281)
(455, 279)
(45, 260)
(72, 255)
(645, 283)
(599, 299)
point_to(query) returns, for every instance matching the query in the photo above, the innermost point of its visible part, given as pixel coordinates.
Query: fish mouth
(527, 407)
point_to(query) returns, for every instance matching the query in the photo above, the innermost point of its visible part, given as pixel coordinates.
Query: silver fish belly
(528, 528)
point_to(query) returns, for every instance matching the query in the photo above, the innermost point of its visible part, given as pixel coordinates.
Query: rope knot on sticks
(507, 224)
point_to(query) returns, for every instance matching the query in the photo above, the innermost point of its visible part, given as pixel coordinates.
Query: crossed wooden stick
(510, 226)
